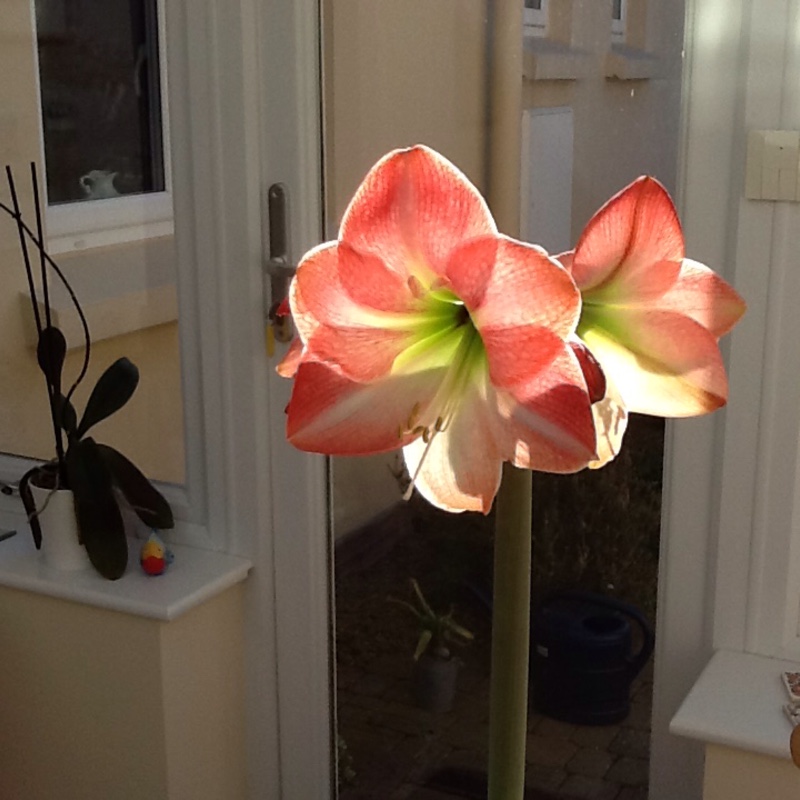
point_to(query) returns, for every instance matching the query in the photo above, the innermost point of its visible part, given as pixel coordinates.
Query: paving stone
(577, 786)
(423, 793)
(534, 720)
(404, 723)
(630, 771)
(465, 759)
(467, 737)
(545, 779)
(590, 763)
(367, 792)
(548, 751)
(630, 742)
(632, 793)
(642, 690)
(555, 728)
(349, 715)
(361, 700)
(400, 691)
(402, 792)
(600, 736)
(639, 718)
(429, 760)
(370, 685)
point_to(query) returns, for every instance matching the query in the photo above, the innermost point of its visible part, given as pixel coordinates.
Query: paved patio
(395, 748)
(396, 751)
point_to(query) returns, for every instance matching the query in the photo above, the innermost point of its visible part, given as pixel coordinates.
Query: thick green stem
(508, 714)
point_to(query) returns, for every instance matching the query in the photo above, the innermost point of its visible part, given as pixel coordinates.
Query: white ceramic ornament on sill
(61, 547)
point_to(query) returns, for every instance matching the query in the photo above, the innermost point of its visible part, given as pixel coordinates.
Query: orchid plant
(423, 328)
(97, 475)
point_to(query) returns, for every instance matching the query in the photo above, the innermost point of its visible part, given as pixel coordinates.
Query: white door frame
(247, 115)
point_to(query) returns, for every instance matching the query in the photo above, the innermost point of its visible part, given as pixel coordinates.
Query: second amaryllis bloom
(650, 316)
(422, 327)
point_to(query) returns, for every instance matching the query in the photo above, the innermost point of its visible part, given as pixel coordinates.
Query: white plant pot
(61, 548)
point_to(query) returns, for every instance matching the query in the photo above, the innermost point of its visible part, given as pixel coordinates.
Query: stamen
(428, 442)
(413, 416)
(415, 287)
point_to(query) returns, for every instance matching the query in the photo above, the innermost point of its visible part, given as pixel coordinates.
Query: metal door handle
(278, 267)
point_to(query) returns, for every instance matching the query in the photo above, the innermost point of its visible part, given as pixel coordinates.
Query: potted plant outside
(435, 668)
(83, 487)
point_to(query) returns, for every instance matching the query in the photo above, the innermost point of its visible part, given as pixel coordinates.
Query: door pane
(396, 76)
(101, 98)
(87, 75)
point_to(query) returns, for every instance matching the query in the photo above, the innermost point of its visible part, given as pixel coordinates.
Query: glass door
(594, 117)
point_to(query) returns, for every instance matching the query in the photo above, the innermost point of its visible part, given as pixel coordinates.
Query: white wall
(730, 534)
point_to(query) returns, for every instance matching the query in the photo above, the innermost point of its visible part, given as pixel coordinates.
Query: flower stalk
(508, 694)
(508, 698)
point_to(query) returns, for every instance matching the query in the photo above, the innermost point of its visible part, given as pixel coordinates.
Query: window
(102, 79)
(535, 17)
(618, 19)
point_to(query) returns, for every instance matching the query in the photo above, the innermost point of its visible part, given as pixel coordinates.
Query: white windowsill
(624, 63)
(547, 60)
(194, 577)
(738, 702)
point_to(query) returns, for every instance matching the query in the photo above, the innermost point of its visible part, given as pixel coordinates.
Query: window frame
(535, 20)
(619, 25)
(82, 225)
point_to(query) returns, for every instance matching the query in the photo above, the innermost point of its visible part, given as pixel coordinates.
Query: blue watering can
(582, 659)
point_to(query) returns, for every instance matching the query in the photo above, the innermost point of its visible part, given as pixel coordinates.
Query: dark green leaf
(67, 418)
(50, 353)
(113, 390)
(143, 497)
(30, 506)
(99, 518)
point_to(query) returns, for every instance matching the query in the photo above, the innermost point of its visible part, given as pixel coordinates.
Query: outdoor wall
(395, 75)
(150, 429)
(623, 128)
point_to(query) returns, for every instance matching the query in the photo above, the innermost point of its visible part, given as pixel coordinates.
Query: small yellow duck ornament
(155, 556)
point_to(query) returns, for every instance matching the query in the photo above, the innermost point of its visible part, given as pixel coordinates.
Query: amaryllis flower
(422, 327)
(651, 317)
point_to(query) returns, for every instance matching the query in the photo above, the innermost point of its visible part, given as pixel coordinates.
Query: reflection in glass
(101, 98)
(394, 78)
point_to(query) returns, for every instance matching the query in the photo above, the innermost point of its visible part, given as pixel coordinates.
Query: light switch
(772, 171)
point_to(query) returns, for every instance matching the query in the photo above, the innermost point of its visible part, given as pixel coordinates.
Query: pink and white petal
(459, 469)
(705, 297)
(663, 363)
(547, 425)
(331, 414)
(593, 375)
(565, 259)
(362, 354)
(371, 284)
(518, 356)
(412, 210)
(635, 229)
(318, 296)
(505, 283)
(610, 422)
(291, 361)
(644, 288)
